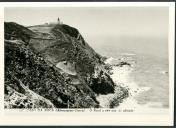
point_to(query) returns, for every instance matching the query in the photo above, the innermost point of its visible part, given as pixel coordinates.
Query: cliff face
(52, 66)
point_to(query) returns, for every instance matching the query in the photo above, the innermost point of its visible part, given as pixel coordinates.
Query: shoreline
(121, 76)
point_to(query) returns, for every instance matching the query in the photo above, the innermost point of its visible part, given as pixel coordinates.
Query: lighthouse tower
(58, 21)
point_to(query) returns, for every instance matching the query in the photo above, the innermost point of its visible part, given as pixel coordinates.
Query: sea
(150, 67)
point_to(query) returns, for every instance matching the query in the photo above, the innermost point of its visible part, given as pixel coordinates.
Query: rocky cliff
(52, 66)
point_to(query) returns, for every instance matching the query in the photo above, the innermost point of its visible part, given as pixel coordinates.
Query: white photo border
(104, 119)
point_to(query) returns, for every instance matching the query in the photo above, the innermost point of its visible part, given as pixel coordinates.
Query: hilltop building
(59, 21)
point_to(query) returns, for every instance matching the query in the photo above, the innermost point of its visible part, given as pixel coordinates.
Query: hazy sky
(104, 21)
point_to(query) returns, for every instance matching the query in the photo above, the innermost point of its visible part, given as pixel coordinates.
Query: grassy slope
(33, 61)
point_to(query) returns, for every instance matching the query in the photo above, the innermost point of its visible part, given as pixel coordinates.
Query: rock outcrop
(52, 68)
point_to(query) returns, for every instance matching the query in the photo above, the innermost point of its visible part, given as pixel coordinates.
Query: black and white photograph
(86, 57)
(114, 58)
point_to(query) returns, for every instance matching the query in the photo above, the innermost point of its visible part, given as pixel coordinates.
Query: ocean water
(150, 65)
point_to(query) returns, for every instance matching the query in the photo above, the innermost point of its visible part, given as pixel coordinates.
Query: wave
(127, 54)
(121, 76)
(163, 72)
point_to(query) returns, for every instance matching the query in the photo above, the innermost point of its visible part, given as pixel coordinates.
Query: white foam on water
(105, 100)
(121, 75)
(110, 60)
